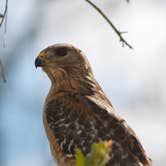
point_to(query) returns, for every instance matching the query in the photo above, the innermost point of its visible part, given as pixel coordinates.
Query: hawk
(77, 112)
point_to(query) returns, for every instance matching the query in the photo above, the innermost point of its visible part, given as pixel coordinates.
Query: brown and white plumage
(77, 113)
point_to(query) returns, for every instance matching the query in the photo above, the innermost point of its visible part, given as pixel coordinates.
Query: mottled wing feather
(71, 129)
(78, 121)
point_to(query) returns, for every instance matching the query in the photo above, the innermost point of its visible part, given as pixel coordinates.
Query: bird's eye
(62, 51)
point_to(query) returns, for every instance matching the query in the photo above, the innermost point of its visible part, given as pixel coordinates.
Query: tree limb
(119, 33)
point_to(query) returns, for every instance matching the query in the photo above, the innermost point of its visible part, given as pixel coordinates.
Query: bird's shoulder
(77, 121)
(95, 108)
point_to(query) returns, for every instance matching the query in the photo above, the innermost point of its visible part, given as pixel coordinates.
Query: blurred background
(134, 80)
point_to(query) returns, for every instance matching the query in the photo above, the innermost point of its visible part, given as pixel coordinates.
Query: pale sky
(134, 80)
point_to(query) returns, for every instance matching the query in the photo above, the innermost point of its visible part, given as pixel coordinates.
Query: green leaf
(98, 156)
(80, 159)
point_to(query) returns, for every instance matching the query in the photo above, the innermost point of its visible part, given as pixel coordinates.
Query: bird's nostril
(39, 62)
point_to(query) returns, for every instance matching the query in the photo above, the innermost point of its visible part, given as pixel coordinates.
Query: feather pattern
(77, 122)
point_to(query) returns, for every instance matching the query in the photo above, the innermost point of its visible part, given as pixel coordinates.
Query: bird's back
(77, 121)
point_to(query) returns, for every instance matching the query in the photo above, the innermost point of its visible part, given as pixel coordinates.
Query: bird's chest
(55, 146)
(69, 127)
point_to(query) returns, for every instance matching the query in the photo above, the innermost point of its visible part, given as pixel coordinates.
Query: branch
(119, 33)
(3, 18)
(2, 75)
(4, 14)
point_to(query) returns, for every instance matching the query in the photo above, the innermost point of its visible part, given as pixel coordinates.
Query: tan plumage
(77, 113)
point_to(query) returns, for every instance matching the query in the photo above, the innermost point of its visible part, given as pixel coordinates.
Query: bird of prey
(77, 112)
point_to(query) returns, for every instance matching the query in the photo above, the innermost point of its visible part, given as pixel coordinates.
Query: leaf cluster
(98, 156)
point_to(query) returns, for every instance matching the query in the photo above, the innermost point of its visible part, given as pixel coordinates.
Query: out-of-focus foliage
(98, 156)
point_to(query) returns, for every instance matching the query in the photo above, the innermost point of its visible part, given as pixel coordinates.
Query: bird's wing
(78, 121)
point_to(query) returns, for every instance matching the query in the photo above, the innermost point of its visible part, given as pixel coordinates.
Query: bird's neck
(85, 84)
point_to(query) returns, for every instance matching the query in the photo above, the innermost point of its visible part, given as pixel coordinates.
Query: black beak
(39, 62)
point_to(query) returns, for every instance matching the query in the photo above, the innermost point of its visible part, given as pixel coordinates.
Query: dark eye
(62, 51)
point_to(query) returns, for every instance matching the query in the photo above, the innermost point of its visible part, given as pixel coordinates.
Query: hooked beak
(39, 62)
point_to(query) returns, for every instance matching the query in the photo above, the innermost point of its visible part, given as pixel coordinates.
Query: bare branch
(4, 14)
(119, 33)
(5, 30)
(3, 18)
(2, 75)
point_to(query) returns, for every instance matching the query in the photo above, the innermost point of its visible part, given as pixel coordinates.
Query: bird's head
(62, 62)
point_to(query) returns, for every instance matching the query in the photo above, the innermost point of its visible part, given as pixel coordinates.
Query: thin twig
(5, 30)
(3, 19)
(119, 33)
(2, 74)
(4, 14)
